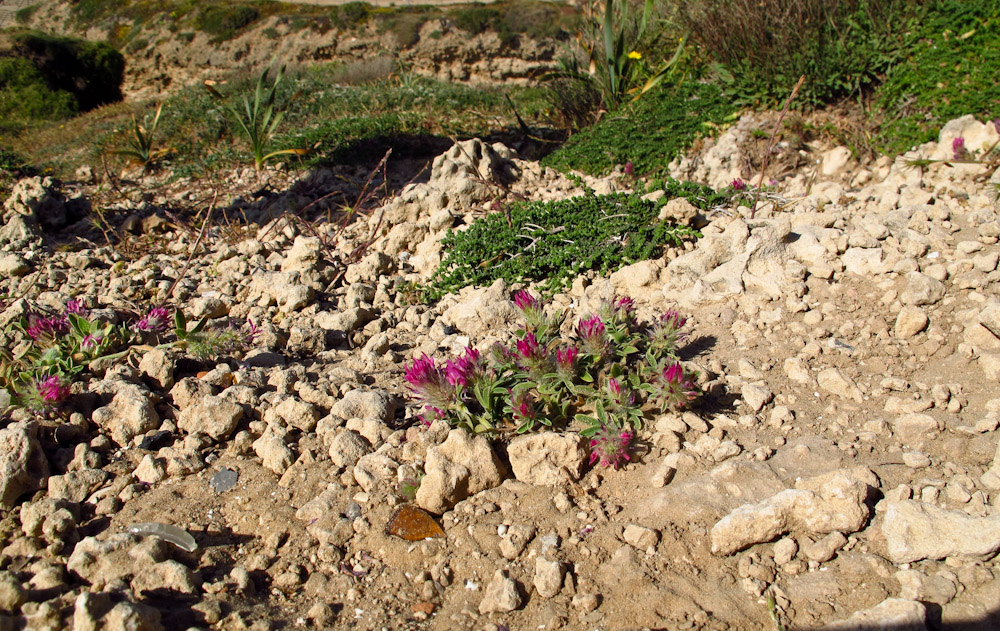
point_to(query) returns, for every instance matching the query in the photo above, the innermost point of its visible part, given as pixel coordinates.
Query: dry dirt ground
(847, 338)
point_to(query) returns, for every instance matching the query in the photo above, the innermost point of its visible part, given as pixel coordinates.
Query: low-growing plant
(44, 353)
(555, 241)
(602, 379)
(649, 132)
(949, 71)
(226, 21)
(260, 117)
(140, 141)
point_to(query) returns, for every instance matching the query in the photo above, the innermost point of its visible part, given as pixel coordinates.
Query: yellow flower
(635, 55)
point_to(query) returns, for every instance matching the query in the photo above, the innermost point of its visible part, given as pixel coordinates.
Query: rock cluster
(845, 460)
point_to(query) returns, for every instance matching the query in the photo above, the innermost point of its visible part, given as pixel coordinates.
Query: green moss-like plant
(649, 133)
(952, 71)
(555, 241)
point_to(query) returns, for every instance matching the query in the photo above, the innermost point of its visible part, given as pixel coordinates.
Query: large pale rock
(919, 289)
(366, 404)
(991, 478)
(548, 578)
(833, 380)
(130, 413)
(463, 465)
(914, 429)
(502, 595)
(910, 321)
(548, 458)
(305, 255)
(483, 311)
(23, 466)
(274, 453)
(347, 447)
(832, 502)
(915, 531)
(892, 614)
(118, 557)
(211, 415)
(98, 612)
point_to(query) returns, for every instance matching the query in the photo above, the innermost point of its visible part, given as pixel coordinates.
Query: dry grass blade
(770, 143)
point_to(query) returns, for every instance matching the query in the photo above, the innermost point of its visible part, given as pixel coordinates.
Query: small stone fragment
(548, 577)
(501, 595)
(640, 537)
(223, 480)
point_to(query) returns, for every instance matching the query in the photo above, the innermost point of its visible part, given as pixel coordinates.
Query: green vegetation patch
(50, 78)
(556, 241)
(951, 71)
(225, 21)
(649, 133)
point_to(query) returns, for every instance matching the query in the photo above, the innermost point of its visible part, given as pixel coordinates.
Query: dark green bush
(649, 132)
(353, 14)
(88, 11)
(23, 15)
(476, 18)
(224, 22)
(91, 71)
(951, 71)
(555, 241)
(405, 27)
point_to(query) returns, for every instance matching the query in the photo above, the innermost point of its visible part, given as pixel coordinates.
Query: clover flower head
(666, 332)
(251, 333)
(525, 301)
(591, 333)
(529, 348)
(156, 321)
(429, 383)
(624, 305)
(619, 394)
(46, 393)
(40, 328)
(738, 184)
(91, 341)
(566, 361)
(464, 370)
(629, 169)
(958, 148)
(677, 388)
(430, 414)
(523, 406)
(610, 446)
(76, 307)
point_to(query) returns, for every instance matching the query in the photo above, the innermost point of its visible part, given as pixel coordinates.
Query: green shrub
(224, 22)
(649, 132)
(951, 71)
(91, 71)
(764, 46)
(12, 161)
(555, 241)
(476, 19)
(352, 14)
(88, 11)
(23, 15)
(405, 27)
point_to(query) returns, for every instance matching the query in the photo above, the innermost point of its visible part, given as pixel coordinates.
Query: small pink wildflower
(738, 184)
(40, 328)
(76, 307)
(610, 446)
(958, 148)
(591, 333)
(522, 404)
(464, 370)
(566, 361)
(531, 309)
(46, 393)
(629, 169)
(428, 383)
(90, 341)
(156, 321)
(678, 389)
(529, 349)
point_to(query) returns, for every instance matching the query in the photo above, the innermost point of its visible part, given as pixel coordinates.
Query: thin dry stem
(770, 143)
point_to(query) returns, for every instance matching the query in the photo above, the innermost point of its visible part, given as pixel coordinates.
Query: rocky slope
(844, 461)
(169, 60)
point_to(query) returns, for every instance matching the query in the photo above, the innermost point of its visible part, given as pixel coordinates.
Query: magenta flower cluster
(156, 321)
(45, 393)
(601, 376)
(610, 446)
